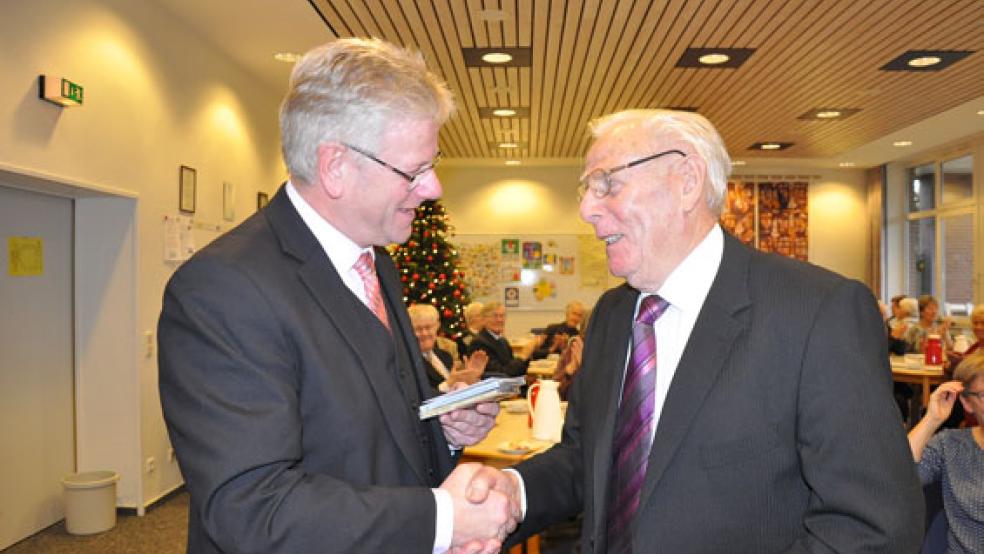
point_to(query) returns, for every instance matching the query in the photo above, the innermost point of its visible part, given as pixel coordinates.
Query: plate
(515, 406)
(514, 448)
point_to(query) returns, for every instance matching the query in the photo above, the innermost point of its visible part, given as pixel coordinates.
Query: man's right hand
(484, 512)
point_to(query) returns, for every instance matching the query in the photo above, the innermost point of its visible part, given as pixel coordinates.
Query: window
(940, 233)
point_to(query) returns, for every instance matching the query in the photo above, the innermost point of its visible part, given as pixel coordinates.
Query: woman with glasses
(955, 457)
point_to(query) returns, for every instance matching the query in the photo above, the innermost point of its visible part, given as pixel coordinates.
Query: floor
(164, 530)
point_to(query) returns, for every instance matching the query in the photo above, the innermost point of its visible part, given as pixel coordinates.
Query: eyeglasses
(599, 181)
(978, 394)
(412, 178)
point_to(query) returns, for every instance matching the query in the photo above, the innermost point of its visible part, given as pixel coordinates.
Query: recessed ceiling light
(287, 57)
(737, 162)
(980, 112)
(846, 164)
(713, 59)
(508, 145)
(829, 113)
(770, 146)
(513, 162)
(901, 143)
(504, 112)
(924, 61)
(497, 57)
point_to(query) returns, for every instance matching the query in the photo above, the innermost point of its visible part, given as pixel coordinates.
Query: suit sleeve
(854, 454)
(230, 388)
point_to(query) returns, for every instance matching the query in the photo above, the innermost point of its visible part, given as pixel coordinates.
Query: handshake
(486, 507)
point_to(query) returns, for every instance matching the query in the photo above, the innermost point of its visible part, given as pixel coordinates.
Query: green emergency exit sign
(60, 91)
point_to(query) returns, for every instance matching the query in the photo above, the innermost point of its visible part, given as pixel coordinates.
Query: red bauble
(457, 294)
(412, 244)
(448, 312)
(442, 277)
(430, 286)
(434, 246)
(415, 276)
(430, 258)
(403, 278)
(426, 234)
(406, 258)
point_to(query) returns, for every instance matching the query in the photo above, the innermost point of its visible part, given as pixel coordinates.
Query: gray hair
(972, 367)
(692, 128)
(348, 90)
(472, 310)
(490, 308)
(423, 312)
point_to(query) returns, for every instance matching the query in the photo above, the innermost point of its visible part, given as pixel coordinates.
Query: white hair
(692, 128)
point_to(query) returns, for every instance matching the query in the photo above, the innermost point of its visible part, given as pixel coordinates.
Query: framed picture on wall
(187, 183)
(261, 200)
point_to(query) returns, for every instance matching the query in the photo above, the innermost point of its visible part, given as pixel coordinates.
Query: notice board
(534, 271)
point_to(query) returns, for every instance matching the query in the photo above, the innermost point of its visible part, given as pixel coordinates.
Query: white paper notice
(179, 244)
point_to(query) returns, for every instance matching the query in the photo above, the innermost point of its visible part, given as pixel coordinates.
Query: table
(542, 368)
(508, 427)
(923, 376)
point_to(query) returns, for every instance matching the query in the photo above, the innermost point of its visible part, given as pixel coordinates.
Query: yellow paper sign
(26, 256)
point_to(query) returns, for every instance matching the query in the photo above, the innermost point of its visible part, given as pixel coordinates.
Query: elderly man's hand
(467, 426)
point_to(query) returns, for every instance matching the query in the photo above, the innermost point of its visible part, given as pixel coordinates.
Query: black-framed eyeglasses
(413, 179)
(599, 181)
(978, 394)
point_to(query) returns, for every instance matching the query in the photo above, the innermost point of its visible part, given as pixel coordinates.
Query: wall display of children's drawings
(772, 216)
(533, 272)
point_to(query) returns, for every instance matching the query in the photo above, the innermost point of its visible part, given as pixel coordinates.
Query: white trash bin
(90, 502)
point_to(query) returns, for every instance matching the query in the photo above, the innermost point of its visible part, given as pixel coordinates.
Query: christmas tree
(428, 268)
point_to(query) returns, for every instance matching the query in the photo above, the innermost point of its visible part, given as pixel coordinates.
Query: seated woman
(443, 371)
(955, 457)
(570, 359)
(927, 325)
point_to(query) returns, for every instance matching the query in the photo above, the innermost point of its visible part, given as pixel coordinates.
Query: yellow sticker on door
(26, 256)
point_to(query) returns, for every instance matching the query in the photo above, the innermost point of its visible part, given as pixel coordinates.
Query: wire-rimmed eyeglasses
(599, 181)
(413, 179)
(968, 394)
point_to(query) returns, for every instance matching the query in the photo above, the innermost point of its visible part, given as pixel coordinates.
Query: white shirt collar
(341, 250)
(687, 285)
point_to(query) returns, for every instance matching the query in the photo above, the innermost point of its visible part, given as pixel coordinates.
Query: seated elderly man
(492, 341)
(556, 335)
(443, 370)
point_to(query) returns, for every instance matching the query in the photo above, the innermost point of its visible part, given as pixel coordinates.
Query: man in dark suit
(556, 335)
(493, 342)
(289, 375)
(729, 401)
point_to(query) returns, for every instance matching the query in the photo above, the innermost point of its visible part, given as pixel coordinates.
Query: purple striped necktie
(634, 427)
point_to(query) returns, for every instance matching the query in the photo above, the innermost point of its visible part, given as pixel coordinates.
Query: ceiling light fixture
(713, 59)
(924, 61)
(737, 162)
(980, 112)
(901, 143)
(770, 146)
(503, 112)
(829, 114)
(846, 164)
(497, 57)
(508, 145)
(513, 162)
(286, 57)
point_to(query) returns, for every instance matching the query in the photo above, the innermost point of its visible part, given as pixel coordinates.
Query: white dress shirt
(343, 253)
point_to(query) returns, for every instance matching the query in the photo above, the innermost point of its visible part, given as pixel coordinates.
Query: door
(37, 437)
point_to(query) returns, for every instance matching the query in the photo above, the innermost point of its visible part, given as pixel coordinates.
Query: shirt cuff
(444, 526)
(522, 490)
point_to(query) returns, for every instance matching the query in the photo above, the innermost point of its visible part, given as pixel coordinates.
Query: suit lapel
(704, 356)
(343, 309)
(618, 329)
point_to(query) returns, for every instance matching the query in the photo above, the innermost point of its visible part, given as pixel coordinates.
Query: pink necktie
(634, 427)
(367, 272)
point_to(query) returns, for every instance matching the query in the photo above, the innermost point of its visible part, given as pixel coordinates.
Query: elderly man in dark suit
(492, 341)
(289, 375)
(729, 401)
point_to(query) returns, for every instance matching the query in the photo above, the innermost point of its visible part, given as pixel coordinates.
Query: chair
(936, 525)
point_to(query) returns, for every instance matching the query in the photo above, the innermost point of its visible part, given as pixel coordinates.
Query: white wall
(543, 199)
(156, 97)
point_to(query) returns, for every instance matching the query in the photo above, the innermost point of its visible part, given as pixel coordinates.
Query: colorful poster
(783, 219)
(532, 255)
(510, 248)
(25, 256)
(738, 215)
(567, 265)
(510, 297)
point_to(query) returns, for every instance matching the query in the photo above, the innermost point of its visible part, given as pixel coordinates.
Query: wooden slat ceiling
(592, 57)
